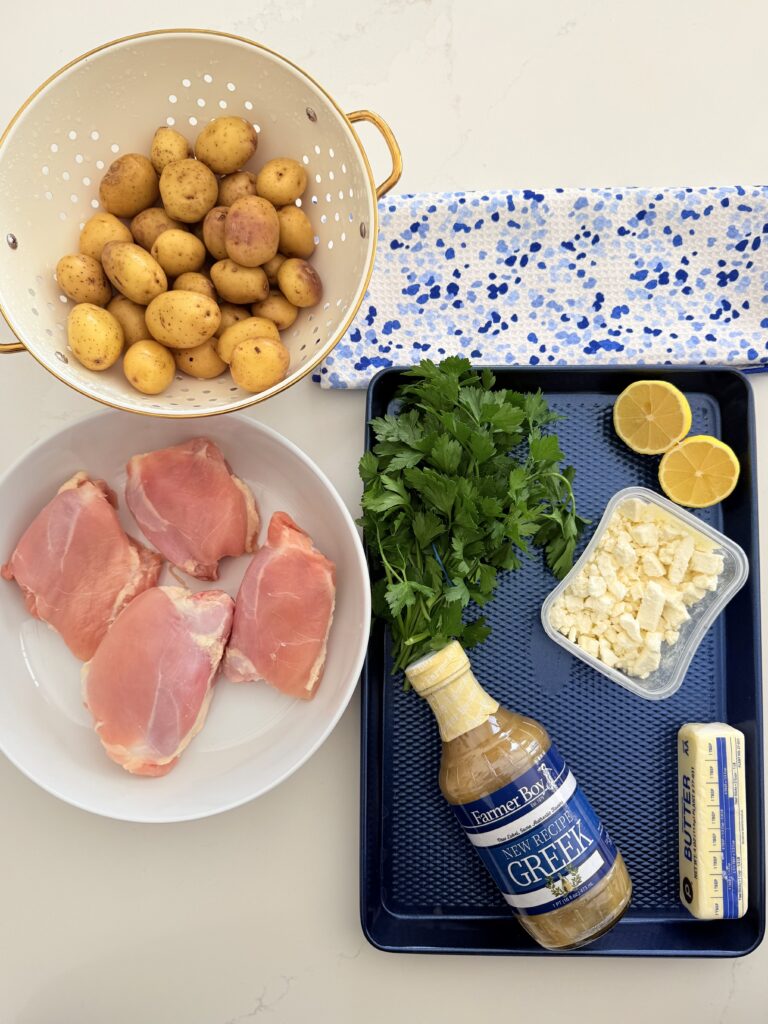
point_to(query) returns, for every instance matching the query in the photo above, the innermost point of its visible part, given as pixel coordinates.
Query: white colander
(110, 101)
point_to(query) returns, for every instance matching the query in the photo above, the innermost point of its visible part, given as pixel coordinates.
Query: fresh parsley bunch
(458, 485)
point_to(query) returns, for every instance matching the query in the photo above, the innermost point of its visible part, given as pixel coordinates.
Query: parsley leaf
(458, 486)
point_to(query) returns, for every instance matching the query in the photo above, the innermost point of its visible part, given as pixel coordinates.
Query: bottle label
(539, 837)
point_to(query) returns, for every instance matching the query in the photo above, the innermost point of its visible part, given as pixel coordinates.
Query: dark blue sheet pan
(422, 888)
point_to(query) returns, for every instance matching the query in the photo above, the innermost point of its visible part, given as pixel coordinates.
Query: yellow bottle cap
(438, 668)
(458, 701)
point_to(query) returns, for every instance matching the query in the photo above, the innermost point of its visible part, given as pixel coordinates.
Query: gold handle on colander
(392, 146)
(12, 346)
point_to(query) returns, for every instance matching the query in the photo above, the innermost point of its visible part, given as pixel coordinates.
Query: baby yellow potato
(149, 367)
(195, 282)
(231, 314)
(167, 145)
(130, 185)
(299, 283)
(235, 186)
(130, 316)
(182, 319)
(189, 189)
(297, 237)
(81, 278)
(100, 229)
(213, 232)
(281, 181)
(271, 268)
(276, 308)
(202, 362)
(239, 284)
(94, 335)
(251, 231)
(148, 225)
(178, 252)
(259, 363)
(253, 327)
(133, 271)
(226, 143)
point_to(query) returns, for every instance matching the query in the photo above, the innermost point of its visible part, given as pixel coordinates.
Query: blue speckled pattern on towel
(564, 276)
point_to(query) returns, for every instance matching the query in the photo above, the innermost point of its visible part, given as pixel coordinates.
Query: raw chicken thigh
(149, 684)
(283, 613)
(77, 566)
(191, 507)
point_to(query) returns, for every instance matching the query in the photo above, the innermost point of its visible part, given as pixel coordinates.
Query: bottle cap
(436, 669)
(445, 679)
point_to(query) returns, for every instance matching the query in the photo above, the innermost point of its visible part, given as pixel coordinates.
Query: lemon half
(698, 472)
(651, 416)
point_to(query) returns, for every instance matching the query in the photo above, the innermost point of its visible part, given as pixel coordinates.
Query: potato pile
(211, 267)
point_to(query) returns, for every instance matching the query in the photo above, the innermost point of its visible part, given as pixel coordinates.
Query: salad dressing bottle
(522, 809)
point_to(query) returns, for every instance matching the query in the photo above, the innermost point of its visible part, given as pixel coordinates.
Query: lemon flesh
(699, 471)
(650, 416)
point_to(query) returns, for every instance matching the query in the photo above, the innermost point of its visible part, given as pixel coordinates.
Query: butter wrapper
(713, 825)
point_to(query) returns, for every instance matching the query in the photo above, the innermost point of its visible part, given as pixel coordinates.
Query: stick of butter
(713, 825)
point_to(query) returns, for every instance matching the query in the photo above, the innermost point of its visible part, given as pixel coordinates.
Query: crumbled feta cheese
(705, 582)
(679, 566)
(675, 613)
(606, 654)
(646, 535)
(590, 645)
(651, 565)
(557, 615)
(651, 607)
(706, 562)
(632, 594)
(630, 626)
(653, 641)
(668, 532)
(636, 591)
(691, 593)
(631, 573)
(624, 553)
(645, 663)
(671, 594)
(606, 565)
(624, 644)
(600, 605)
(584, 622)
(633, 509)
(666, 553)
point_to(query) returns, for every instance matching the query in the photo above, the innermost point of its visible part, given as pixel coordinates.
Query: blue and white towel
(564, 276)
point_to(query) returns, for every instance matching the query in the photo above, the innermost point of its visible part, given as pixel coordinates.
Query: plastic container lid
(675, 658)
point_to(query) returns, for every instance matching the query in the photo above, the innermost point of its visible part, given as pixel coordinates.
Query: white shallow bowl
(255, 737)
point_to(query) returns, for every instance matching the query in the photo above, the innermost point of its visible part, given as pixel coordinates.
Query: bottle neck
(460, 704)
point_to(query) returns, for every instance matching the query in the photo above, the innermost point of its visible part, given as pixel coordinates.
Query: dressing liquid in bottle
(522, 809)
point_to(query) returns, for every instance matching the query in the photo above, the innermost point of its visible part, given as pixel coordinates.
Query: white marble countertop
(217, 921)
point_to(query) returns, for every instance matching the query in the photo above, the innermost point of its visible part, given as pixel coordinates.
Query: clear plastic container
(675, 658)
